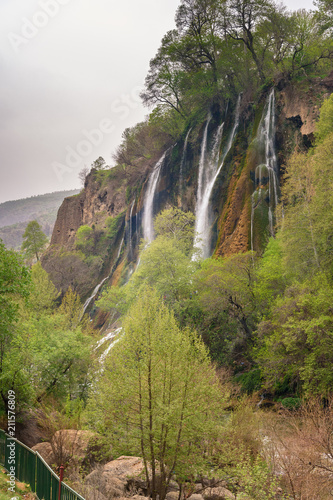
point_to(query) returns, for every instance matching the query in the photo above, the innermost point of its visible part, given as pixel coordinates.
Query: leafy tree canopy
(158, 396)
(34, 240)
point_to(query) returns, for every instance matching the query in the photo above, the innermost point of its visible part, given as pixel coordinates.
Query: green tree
(324, 127)
(164, 266)
(270, 278)
(60, 357)
(177, 225)
(14, 287)
(223, 309)
(298, 224)
(43, 292)
(158, 395)
(85, 239)
(34, 240)
(296, 340)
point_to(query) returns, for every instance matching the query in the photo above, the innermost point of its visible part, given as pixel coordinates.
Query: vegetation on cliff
(263, 317)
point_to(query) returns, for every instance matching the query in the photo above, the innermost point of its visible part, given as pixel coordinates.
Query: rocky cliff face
(91, 206)
(240, 211)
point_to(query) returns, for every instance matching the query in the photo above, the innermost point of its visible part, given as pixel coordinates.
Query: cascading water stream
(182, 163)
(130, 249)
(267, 164)
(97, 288)
(87, 302)
(109, 336)
(202, 162)
(208, 173)
(148, 212)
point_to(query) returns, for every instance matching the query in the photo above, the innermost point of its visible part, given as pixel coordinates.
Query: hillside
(14, 215)
(190, 286)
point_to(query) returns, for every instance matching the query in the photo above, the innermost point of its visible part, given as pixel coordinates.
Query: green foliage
(270, 280)
(113, 225)
(99, 164)
(60, 357)
(175, 224)
(223, 308)
(114, 299)
(34, 240)
(14, 286)
(164, 266)
(70, 309)
(140, 143)
(250, 381)
(305, 232)
(295, 343)
(158, 395)
(85, 239)
(227, 47)
(49, 354)
(43, 292)
(22, 490)
(291, 403)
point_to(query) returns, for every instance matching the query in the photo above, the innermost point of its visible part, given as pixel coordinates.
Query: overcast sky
(71, 72)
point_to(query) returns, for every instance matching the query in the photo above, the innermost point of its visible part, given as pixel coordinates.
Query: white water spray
(202, 163)
(96, 289)
(182, 163)
(148, 212)
(130, 250)
(109, 336)
(87, 302)
(266, 186)
(208, 173)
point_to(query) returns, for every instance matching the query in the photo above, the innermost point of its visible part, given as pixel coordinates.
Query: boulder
(218, 493)
(71, 444)
(196, 496)
(46, 452)
(90, 493)
(172, 495)
(109, 485)
(125, 467)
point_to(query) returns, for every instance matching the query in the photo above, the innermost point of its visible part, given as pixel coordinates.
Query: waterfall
(202, 162)
(119, 252)
(107, 337)
(208, 173)
(148, 212)
(96, 289)
(182, 163)
(87, 302)
(266, 186)
(130, 249)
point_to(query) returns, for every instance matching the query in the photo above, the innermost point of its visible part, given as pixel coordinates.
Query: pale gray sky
(71, 71)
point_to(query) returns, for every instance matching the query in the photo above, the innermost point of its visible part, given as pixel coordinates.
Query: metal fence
(30, 468)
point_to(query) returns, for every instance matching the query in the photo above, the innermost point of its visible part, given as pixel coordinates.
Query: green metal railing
(33, 470)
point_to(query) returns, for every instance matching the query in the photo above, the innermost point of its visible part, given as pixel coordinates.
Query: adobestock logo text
(92, 139)
(31, 27)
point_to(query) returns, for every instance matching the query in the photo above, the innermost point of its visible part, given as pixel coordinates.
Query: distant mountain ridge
(14, 215)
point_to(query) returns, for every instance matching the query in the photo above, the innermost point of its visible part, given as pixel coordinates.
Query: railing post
(60, 480)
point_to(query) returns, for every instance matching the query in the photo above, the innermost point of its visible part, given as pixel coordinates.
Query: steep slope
(243, 190)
